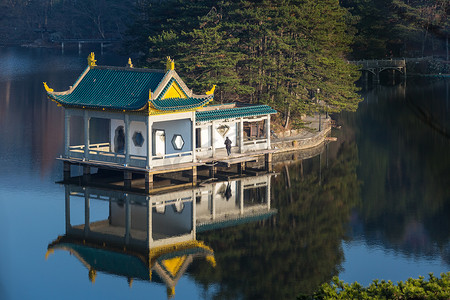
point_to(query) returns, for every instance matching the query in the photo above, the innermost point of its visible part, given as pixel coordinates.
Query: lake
(373, 205)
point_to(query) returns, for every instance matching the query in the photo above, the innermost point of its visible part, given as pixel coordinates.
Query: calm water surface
(374, 204)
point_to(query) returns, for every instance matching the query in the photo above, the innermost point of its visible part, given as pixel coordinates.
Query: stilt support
(127, 177)
(268, 162)
(86, 173)
(212, 171)
(241, 167)
(194, 176)
(148, 182)
(66, 168)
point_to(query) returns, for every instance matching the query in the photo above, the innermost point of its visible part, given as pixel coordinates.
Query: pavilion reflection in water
(153, 237)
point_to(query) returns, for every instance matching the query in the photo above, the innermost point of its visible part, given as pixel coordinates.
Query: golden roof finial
(211, 91)
(91, 60)
(149, 94)
(170, 292)
(92, 275)
(130, 64)
(170, 64)
(47, 88)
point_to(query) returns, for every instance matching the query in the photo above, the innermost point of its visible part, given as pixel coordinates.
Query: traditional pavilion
(153, 238)
(153, 121)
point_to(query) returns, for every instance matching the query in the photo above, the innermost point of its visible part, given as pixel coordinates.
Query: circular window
(138, 139)
(177, 142)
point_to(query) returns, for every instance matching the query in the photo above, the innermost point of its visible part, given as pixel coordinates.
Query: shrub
(433, 288)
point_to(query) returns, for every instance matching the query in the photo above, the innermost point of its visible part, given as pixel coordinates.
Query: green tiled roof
(111, 262)
(112, 88)
(180, 103)
(237, 112)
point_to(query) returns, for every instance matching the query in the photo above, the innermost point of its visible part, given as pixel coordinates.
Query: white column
(127, 139)
(68, 226)
(86, 135)
(268, 191)
(149, 222)
(86, 212)
(213, 202)
(268, 131)
(213, 136)
(194, 216)
(241, 136)
(149, 124)
(66, 133)
(127, 219)
(194, 148)
(241, 197)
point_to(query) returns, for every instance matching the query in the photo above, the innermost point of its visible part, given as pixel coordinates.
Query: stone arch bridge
(376, 66)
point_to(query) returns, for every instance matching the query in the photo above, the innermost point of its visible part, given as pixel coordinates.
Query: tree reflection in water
(300, 247)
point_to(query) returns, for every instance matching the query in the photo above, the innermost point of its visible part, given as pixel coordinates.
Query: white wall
(231, 134)
(205, 134)
(134, 127)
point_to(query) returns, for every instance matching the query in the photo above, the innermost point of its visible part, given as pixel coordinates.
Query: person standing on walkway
(228, 145)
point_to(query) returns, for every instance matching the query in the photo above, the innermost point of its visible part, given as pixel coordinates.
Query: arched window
(119, 140)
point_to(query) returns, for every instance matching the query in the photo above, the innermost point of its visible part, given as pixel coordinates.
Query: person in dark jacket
(228, 145)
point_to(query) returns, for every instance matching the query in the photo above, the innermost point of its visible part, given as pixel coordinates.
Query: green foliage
(297, 249)
(433, 288)
(398, 28)
(274, 52)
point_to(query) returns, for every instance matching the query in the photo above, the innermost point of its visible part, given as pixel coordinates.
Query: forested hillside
(289, 54)
(24, 21)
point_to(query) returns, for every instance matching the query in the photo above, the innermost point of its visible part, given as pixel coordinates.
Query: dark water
(374, 204)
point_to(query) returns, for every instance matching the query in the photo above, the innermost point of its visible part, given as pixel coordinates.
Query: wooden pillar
(241, 167)
(268, 131)
(148, 182)
(149, 142)
(127, 177)
(62, 47)
(241, 135)
(101, 48)
(268, 162)
(213, 136)
(67, 209)
(86, 134)
(66, 133)
(127, 139)
(194, 175)
(86, 213)
(79, 47)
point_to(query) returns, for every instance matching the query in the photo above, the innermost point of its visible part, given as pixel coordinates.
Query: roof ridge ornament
(130, 64)
(91, 60)
(211, 91)
(49, 90)
(170, 64)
